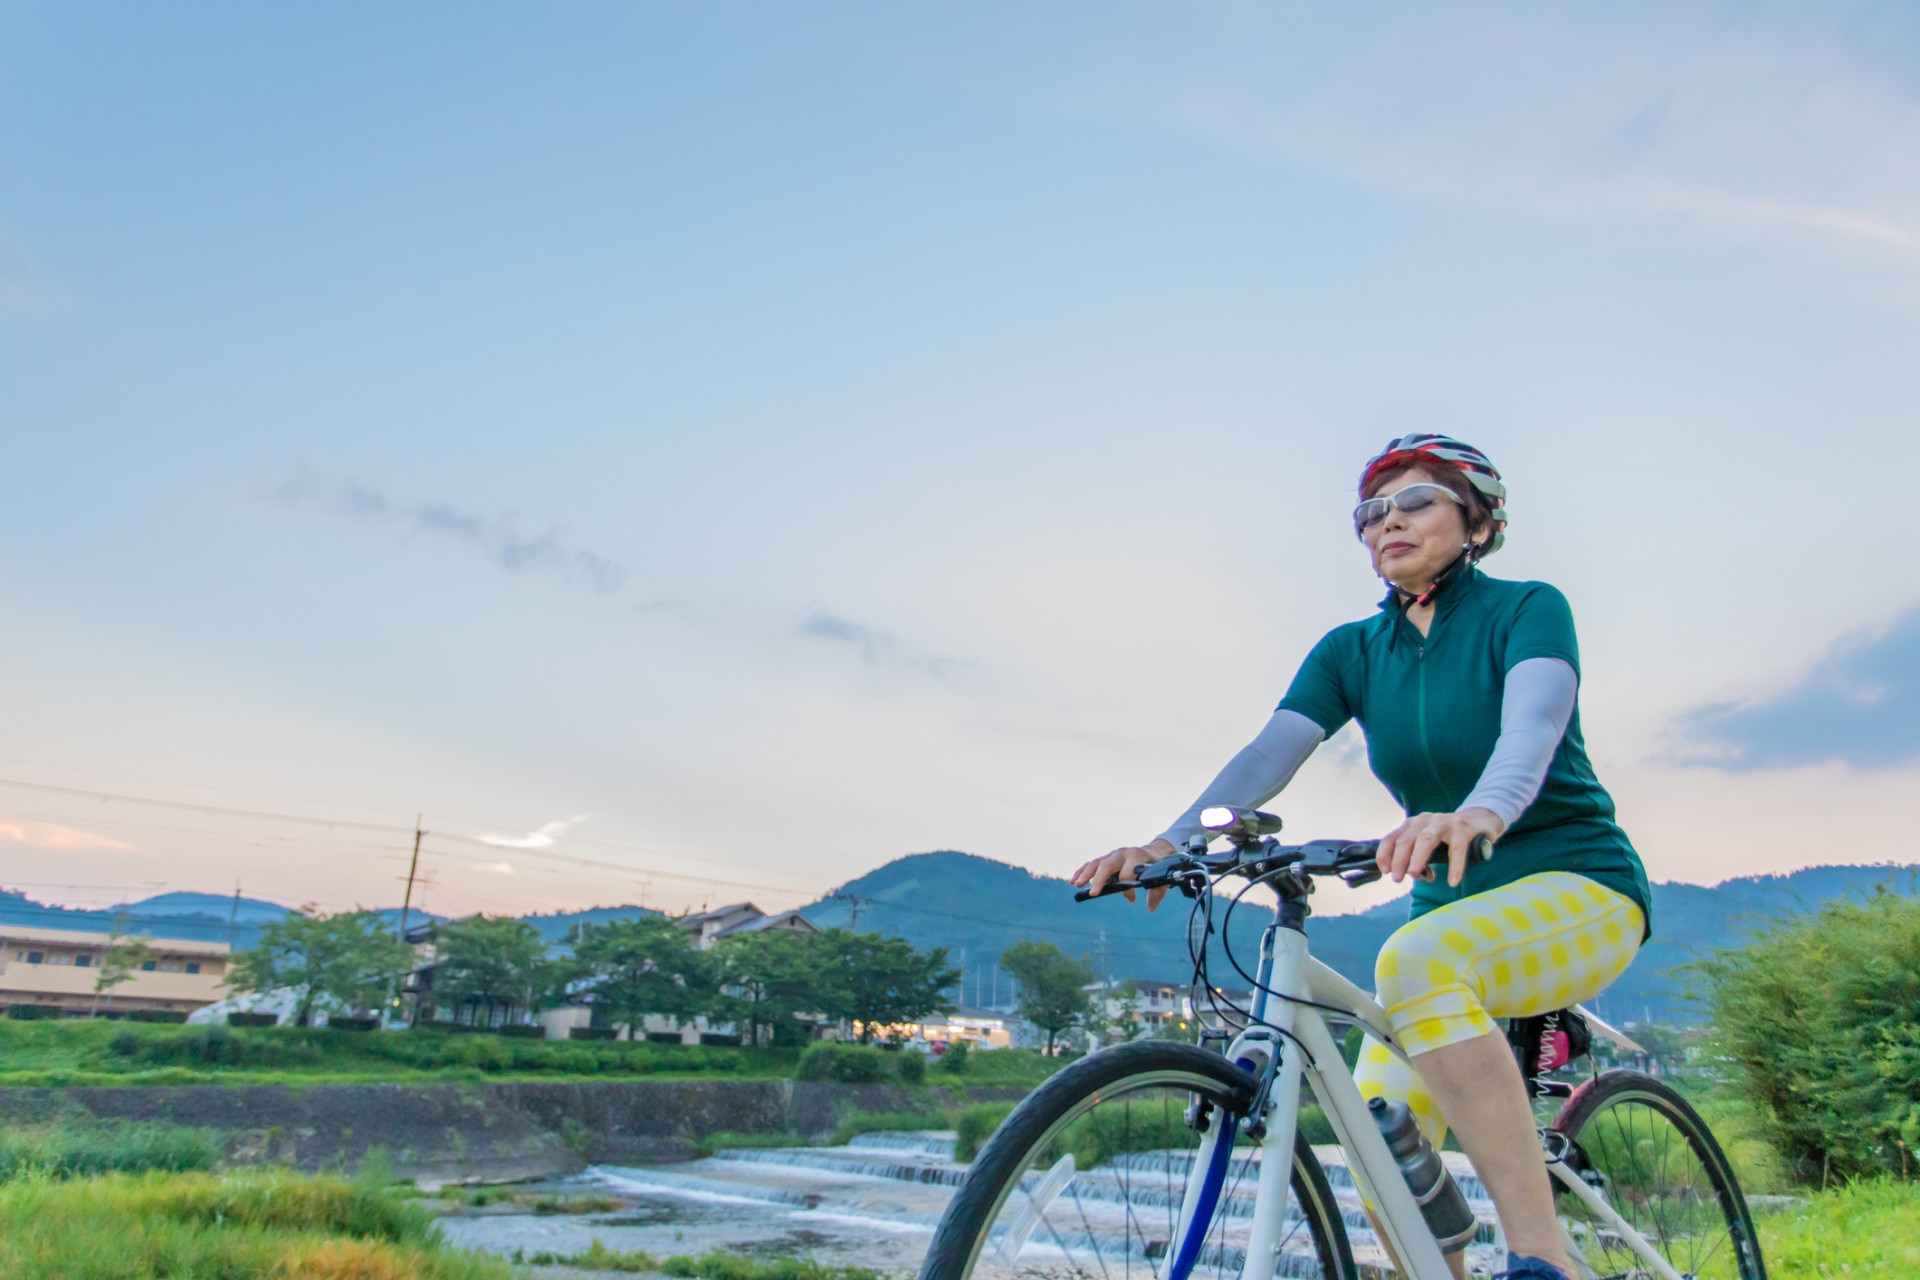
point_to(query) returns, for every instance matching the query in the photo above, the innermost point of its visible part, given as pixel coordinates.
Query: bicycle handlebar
(1352, 860)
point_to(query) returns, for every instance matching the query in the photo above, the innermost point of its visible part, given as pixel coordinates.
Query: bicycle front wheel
(1652, 1159)
(1085, 1180)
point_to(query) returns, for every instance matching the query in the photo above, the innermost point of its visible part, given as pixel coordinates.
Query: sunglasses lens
(1416, 498)
(1371, 512)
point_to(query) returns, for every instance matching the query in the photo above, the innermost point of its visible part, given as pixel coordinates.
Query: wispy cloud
(1767, 126)
(498, 537)
(540, 838)
(1859, 705)
(48, 835)
(876, 647)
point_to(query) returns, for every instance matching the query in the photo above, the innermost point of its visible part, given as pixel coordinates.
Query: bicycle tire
(1029, 1137)
(1614, 1123)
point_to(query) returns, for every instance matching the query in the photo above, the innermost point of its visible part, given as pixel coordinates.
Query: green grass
(723, 1140)
(711, 1266)
(56, 1053)
(92, 1052)
(257, 1227)
(1867, 1229)
(72, 1148)
(999, 1066)
(860, 1122)
(540, 1202)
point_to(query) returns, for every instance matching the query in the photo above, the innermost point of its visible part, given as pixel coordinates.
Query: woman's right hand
(1121, 865)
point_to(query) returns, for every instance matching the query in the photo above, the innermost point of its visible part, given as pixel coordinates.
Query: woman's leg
(1539, 944)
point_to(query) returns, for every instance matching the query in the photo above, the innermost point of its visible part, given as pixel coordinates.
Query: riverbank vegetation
(711, 1266)
(84, 1051)
(264, 1225)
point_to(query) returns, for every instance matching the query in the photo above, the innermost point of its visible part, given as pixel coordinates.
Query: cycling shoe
(1519, 1268)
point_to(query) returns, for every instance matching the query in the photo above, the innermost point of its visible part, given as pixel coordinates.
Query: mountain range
(976, 908)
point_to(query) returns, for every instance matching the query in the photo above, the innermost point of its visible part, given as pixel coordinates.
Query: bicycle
(1164, 1160)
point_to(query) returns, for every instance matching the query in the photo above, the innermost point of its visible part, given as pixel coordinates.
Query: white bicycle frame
(1299, 1032)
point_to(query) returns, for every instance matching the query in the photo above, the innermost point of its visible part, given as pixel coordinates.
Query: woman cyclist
(1465, 687)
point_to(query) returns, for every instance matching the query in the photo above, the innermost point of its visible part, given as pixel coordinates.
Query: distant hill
(201, 917)
(976, 908)
(556, 926)
(211, 917)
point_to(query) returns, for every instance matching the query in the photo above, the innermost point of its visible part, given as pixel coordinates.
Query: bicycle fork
(1267, 1052)
(1286, 1043)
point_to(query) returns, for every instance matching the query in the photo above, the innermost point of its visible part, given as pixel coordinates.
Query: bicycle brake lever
(1479, 850)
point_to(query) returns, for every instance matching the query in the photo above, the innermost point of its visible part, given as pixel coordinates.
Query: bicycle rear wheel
(1652, 1158)
(1086, 1178)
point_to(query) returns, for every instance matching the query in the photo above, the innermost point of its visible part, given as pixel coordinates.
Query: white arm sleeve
(1536, 705)
(1256, 774)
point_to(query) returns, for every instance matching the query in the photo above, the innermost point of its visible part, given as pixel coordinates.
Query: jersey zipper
(1420, 713)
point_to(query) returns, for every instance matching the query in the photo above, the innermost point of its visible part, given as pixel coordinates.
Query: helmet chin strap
(1412, 601)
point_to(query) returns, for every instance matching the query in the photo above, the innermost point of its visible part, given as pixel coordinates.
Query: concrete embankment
(493, 1131)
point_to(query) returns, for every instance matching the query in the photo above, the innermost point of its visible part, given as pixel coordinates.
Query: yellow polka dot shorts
(1539, 944)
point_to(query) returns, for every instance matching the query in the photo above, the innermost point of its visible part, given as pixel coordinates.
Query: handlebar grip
(1106, 891)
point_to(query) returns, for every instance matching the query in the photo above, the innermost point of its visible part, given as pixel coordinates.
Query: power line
(208, 809)
(381, 828)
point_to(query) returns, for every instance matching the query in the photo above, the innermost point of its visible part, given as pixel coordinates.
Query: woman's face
(1410, 550)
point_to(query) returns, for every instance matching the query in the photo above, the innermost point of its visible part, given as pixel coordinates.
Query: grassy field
(83, 1052)
(1868, 1229)
(278, 1226)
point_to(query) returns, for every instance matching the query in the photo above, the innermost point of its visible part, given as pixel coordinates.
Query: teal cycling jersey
(1430, 708)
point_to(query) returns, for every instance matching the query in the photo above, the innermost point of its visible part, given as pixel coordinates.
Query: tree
(1115, 1017)
(347, 962)
(772, 981)
(627, 969)
(492, 963)
(124, 958)
(879, 981)
(1053, 987)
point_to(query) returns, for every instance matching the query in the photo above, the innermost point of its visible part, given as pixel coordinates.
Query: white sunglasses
(1415, 497)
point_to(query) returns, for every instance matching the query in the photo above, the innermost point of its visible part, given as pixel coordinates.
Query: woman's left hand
(1406, 850)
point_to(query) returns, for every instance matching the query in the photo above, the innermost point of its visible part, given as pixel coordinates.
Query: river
(872, 1203)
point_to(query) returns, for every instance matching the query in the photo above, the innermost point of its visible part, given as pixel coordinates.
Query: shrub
(955, 1058)
(522, 1032)
(31, 1012)
(75, 1150)
(253, 1019)
(592, 1033)
(912, 1068)
(1820, 1017)
(844, 1063)
(975, 1125)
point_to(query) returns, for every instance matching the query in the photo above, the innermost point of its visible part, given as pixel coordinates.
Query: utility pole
(233, 917)
(854, 903)
(413, 867)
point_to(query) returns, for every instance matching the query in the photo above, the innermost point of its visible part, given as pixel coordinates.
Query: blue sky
(784, 439)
